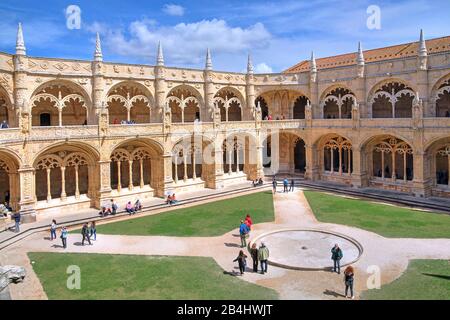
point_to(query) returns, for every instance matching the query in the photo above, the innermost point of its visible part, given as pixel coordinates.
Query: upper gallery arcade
(82, 132)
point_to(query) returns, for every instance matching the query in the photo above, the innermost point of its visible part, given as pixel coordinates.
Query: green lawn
(386, 220)
(423, 280)
(107, 276)
(206, 220)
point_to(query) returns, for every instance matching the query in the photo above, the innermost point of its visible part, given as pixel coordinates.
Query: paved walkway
(291, 211)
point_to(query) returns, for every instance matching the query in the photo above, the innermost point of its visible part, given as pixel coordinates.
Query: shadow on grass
(232, 273)
(437, 276)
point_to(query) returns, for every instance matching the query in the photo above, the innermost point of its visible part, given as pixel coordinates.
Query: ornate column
(141, 173)
(230, 161)
(77, 187)
(404, 168)
(249, 89)
(130, 173)
(382, 164)
(332, 160)
(27, 194)
(185, 176)
(237, 158)
(160, 87)
(340, 160)
(100, 115)
(207, 113)
(194, 174)
(49, 194)
(119, 184)
(63, 183)
(394, 158)
(176, 168)
(104, 192)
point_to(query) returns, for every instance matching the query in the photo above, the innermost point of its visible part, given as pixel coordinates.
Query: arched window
(443, 100)
(392, 100)
(338, 104)
(393, 159)
(337, 156)
(264, 108)
(184, 105)
(299, 107)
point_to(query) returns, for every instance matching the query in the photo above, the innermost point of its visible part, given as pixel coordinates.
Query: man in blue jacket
(243, 232)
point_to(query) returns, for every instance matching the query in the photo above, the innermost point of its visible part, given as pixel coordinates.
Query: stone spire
(249, 65)
(20, 44)
(313, 65)
(360, 58)
(98, 56)
(208, 64)
(422, 45)
(160, 57)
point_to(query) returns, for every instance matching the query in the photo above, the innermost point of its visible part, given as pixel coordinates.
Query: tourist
(53, 230)
(137, 205)
(243, 232)
(116, 121)
(85, 234)
(16, 218)
(4, 125)
(248, 222)
(93, 230)
(336, 256)
(270, 117)
(349, 275)
(274, 185)
(254, 254)
(129, 208)
(173, 200)
(291, 186)
(85, 123)
(7, 206)
(266, 118)
(241, 261)
(260, 181)
(169, 200)
(103, 212)
(64, 234)
(7, 196)
(263, 256)
(114, 207)
(285, 185)
(255, 182)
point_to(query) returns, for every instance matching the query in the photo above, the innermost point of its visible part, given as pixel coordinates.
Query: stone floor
(391, 256)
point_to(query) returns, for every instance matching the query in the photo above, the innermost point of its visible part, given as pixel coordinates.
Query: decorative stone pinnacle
(160, 57)
(208, 64)
(249, 64)
(313, 66)
(422, 45)
(20, 43)
(360, 59)
(98, 56)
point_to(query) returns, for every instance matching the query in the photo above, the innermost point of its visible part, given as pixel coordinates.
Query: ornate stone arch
(337, 102)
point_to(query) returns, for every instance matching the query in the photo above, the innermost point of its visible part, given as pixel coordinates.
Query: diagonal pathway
(291, 211)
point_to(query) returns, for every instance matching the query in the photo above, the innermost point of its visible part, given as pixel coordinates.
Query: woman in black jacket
(254, 254)
(241, 261)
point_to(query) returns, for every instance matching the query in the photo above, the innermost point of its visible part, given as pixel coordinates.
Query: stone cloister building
(83, 132)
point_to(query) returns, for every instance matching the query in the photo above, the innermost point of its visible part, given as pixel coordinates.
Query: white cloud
(173, 10)
(186, 43)
(263, 68)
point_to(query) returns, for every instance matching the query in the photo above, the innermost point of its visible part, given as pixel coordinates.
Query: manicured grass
(423, 280)
(206, 220)
(107, 276)
(386, 220)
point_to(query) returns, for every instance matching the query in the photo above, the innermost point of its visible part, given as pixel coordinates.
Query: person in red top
(248, 221)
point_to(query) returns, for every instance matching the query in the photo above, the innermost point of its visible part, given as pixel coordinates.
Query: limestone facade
(71, 145)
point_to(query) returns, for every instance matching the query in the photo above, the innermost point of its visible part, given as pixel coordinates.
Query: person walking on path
(64, 237)
(17, 217)
(285, 185)
(243, 232)
(291, 186)
(263, 256)
(85, 234)
(274, 185)
(349, 275)
(53, 230)
(254, 255)
(241, 261)
(93, 230)
(336, 256)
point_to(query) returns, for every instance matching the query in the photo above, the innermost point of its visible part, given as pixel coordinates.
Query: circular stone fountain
(308, 249)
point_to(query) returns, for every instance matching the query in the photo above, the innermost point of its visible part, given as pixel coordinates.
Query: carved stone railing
(9, 135)
(64, 132)
(119, 130)
(387, 123)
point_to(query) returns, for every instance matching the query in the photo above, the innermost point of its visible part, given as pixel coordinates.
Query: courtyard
(188, 253)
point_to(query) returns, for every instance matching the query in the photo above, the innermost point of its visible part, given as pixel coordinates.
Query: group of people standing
(287, 186)
(88, 231)
(349, 272)
(260, 255)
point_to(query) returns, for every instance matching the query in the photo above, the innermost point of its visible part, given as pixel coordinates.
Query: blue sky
(277, 33)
